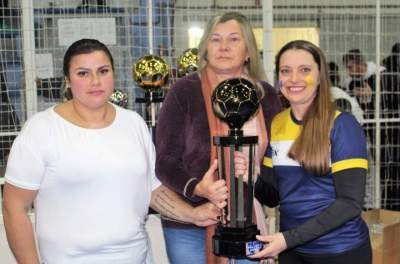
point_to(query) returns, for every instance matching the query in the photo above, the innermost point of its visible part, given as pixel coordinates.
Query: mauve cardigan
(183, 137)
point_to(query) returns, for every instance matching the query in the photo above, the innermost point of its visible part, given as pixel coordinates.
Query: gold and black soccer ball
(150, 72)
(235, 101)
(188, 62)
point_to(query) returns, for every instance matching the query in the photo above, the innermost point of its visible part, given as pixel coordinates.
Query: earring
(67, 92)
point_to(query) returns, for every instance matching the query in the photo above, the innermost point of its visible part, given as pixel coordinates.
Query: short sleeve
(151, 152)
(26, 162)
(348, 144)
(155, 182)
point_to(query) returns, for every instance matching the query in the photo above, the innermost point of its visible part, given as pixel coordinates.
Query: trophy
(235, 101)
(188, 62)
(119, 97)
(151, 73)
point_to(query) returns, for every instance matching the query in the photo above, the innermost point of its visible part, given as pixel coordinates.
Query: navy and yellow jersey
(318, 214)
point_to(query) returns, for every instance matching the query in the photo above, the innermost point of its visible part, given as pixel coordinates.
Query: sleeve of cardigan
(271, 105)
(266, 188)
(170, 144)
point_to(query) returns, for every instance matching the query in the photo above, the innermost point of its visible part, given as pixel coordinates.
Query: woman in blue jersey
(315, 169)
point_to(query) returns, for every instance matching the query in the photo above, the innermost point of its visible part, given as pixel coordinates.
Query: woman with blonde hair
(187, 124)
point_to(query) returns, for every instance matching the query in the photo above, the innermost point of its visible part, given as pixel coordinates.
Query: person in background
(315, 169)
(334, 78)
(186, 124)
(391, 80)
(392, 62)
(364, 75)
(390, 134)
(361, 80)
(333, 71)
(88, 166)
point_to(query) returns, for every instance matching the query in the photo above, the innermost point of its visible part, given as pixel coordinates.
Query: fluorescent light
(195, 34)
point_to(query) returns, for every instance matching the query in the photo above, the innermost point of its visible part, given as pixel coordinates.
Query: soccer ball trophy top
(150, 73)
(235, 101)
(188, 62)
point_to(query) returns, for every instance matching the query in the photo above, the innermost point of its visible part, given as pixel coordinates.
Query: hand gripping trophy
(151, 74)
(235, 101)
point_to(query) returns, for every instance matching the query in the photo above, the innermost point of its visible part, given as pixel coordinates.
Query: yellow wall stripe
(349, 164)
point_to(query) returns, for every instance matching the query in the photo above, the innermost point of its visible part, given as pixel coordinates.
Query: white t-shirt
(94, 187)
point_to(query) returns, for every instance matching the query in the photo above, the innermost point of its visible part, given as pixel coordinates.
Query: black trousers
(360, 255)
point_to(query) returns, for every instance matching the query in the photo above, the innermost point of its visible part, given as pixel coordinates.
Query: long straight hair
(312, 148)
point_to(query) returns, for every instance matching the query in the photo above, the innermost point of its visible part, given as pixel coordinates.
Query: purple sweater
(183, 137)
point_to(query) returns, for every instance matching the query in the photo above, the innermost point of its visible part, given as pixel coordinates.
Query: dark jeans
(360, 255)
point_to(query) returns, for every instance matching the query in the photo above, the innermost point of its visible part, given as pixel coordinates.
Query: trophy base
(237, 243)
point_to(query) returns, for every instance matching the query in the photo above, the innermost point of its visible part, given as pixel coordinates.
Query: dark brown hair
(84, 46)
(312, 148)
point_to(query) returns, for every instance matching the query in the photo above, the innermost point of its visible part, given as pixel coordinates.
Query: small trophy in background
(120, 98)
(188, 62)
(151, 73)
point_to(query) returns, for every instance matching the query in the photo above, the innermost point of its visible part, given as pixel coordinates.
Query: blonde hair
(254, 66)
(312, 148)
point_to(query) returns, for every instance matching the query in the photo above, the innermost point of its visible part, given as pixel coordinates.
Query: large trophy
(235, 101)
(188, 62)
(151, 74)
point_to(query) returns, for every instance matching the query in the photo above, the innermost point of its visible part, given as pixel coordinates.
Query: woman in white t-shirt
(88, 166)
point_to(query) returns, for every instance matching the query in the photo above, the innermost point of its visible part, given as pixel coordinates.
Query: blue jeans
(188, 246)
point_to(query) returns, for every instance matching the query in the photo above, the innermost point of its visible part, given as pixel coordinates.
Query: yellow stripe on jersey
(349, 164)
(283, 127)
(337, 113)
(267, 162)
